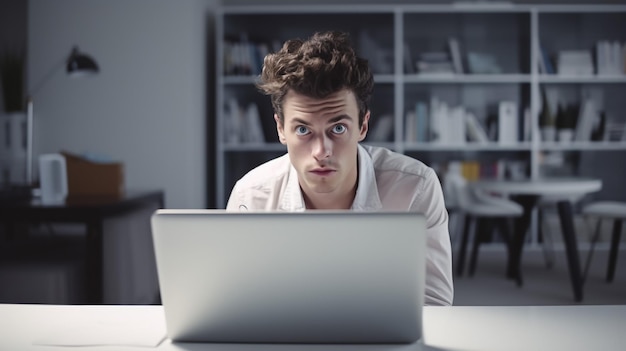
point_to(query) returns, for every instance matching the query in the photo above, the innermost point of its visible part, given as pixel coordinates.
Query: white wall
(146, 108)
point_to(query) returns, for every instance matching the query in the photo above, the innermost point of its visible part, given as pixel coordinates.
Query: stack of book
(435, 63)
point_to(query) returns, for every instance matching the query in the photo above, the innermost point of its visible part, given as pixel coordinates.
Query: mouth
(322, 172)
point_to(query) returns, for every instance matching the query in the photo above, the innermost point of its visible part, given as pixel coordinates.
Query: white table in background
(527, 193)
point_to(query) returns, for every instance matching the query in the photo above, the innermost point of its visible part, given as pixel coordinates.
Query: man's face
(322, 137)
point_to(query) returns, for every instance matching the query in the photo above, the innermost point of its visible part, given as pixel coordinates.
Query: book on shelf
(422, 124)
(457, 126)
(470, 170)
(253, 130)
(449, 125)
(383, 129)
(242, 125)
(610, 58)
(545, 64)
(599, 127)
(410, 127)
(507, 122)
(455, 53)
(475, 131)
(439, 131)
(232, 121)
(416, 127)
(586, 116)
(244, 57)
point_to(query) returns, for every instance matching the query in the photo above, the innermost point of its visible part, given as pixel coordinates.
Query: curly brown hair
(317, 67)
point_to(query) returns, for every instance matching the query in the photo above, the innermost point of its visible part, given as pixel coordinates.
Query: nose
(322, 147)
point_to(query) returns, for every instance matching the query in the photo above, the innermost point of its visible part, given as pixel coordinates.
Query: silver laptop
(275, 277)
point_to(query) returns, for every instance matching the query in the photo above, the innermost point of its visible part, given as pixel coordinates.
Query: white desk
(550, 328)
(527, 193)
(565, 187)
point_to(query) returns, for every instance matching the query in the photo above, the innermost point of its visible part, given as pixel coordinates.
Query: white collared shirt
(402, 183)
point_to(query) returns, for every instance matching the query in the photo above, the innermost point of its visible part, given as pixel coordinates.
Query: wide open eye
(339, 129)
(302, 130)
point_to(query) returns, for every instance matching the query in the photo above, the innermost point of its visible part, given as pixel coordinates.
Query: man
(320, 91)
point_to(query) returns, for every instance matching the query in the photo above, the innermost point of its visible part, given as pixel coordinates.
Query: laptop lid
(305, 277)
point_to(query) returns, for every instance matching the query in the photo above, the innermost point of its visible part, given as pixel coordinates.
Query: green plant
(12, 79)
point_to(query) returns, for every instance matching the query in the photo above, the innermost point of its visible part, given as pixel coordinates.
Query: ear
(280, 129)
(364, 126)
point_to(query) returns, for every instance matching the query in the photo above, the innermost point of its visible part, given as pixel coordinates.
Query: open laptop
(275, 277)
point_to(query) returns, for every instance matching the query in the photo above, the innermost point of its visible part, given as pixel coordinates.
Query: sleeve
(236, 199)
(439, 283)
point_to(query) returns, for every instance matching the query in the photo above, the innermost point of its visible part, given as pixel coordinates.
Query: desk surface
(82, 202)
(455, 328)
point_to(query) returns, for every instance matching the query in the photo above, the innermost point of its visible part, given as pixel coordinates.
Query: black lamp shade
(79, 63)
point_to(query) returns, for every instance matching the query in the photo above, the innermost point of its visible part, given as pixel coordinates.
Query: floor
(542, 285)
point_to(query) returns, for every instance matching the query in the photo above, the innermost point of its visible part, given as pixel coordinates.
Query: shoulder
(261, 188)
(391, 163)
(266, 174)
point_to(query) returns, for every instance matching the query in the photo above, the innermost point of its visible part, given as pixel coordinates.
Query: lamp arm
(45, 79)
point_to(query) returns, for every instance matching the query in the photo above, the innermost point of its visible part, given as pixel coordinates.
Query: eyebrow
(330, 121)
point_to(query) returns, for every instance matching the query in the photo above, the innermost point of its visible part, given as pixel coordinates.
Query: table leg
(520, 229)
(93, 262)
(615, 239)
(571, 249)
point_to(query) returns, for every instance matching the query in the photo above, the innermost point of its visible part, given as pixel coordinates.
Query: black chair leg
(483, 229)
(617, 231)
(460, 264)
(594, 240)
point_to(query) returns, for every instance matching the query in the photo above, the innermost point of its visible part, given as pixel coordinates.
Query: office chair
(482, 214)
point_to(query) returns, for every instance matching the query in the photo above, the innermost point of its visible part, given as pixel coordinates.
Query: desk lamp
(77, 64)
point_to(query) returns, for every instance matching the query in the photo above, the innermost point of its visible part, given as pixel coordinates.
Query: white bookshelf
(511, 34)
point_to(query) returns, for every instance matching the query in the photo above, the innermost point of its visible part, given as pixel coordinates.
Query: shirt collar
(292, 199)
(366, 198)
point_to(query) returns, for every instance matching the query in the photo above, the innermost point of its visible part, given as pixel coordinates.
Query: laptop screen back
(307, 277)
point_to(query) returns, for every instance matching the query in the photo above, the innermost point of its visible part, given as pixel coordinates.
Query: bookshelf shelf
(467, 147)
(254, 147)
(235, 80)
(584, 146)
(492, 51)
(556, 79)
(469, 78)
